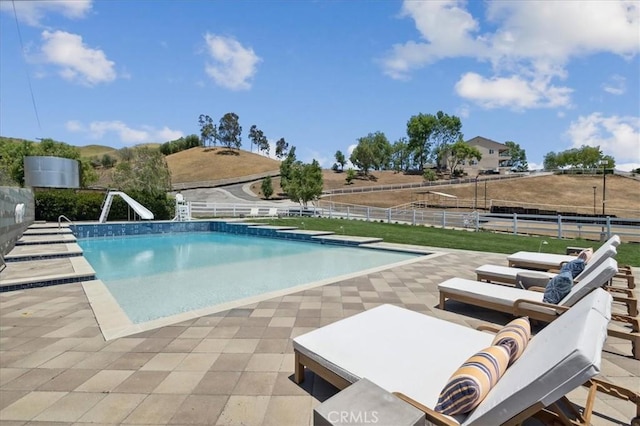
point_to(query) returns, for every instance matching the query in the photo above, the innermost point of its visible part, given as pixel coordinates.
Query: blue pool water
(161, 275)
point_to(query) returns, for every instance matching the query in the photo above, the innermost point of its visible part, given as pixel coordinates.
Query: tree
(518, 157)
(285, 169)
(258, 139)
(429, 175)
(460, 152)
(180, 144)
(447, 132)
(126, 154)
(429, 135)
(550, 161)
(305, 183)
(400, 155)
(230, 131)
(267, 187)
(351, 175)
(585, 157)
(264, 146)
(420, 129)
(281, 148)
(12, 155)
(107, 161)
(208, 131)
(146, 171)
(340, 159)
(372, 152)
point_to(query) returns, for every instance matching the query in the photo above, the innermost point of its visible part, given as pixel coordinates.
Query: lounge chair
(508, 275)
(273, 212)
(520, 302)
(254, 211)
(413, 355)
(546, 261)
(549, 261)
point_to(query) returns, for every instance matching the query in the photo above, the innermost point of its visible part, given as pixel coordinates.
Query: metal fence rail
(423, 184)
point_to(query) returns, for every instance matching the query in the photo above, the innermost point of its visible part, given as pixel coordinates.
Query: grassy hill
(202, 164)
(89, 151)
(577, 191)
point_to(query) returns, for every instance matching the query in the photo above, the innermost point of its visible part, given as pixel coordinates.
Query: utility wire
(33, 98)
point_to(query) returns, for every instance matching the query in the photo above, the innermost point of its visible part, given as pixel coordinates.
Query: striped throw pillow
(469, 385)
(586, 254)
(515, 336)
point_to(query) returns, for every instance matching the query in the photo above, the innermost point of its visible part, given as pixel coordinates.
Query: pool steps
(47, 254)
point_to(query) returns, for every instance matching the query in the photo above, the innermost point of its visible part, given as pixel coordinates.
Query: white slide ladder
(141, 210)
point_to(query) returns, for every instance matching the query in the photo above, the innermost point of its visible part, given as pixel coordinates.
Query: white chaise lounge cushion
(397, 349)
(401, 350)
(561, 357)
(508, 274)
(554, 259)
(506, 296)
(542, 259)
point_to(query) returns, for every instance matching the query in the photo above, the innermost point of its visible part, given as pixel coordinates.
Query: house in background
(495, 158)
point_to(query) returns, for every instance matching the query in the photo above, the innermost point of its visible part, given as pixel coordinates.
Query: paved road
(231, 194)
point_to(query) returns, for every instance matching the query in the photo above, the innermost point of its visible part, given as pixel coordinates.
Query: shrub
(81, 205)
(429, 175)
(351, 175)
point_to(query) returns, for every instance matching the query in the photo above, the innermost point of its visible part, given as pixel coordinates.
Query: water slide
(140, 210)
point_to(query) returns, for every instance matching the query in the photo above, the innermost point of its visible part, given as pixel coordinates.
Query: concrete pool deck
(230, 367)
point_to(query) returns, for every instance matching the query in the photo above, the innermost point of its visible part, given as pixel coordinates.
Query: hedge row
(82, 205)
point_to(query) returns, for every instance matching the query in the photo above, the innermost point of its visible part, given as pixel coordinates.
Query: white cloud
(77, 61)
(126, 134)
(511, 92)
(33, 12)
(535, 166)
(616, 85)
(233, 65)
(530, 46)
(616, 136)
(627, 167)
(448, 30)
(463, 111)
(310, 155)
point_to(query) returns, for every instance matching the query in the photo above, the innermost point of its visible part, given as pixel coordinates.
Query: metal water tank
(51, 172)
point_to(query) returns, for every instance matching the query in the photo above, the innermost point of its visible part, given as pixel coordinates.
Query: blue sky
(547, 75)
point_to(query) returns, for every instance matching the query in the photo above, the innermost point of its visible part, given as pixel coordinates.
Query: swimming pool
(156, 276)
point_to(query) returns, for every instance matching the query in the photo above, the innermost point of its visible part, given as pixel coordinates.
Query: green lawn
(628, 254)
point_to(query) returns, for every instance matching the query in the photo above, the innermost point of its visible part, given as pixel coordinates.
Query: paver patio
(234, 367)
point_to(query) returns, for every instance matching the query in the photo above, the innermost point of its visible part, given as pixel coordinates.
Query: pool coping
(72, 249)
(114, 322)
(82, 270)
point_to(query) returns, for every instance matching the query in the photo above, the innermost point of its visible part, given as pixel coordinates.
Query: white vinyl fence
(591, 228)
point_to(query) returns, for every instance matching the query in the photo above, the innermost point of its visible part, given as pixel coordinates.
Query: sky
(548, 75)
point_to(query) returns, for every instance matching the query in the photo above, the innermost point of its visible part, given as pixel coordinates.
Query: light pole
(475, 198)
(485, 195)
(604, 183)
(594, 200)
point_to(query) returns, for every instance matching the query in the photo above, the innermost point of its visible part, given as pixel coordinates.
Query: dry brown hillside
(202, 164)
(622, 197)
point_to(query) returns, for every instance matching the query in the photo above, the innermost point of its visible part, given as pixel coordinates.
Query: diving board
(140, 210)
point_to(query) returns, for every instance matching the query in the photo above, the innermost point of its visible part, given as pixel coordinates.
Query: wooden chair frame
(523, 307)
